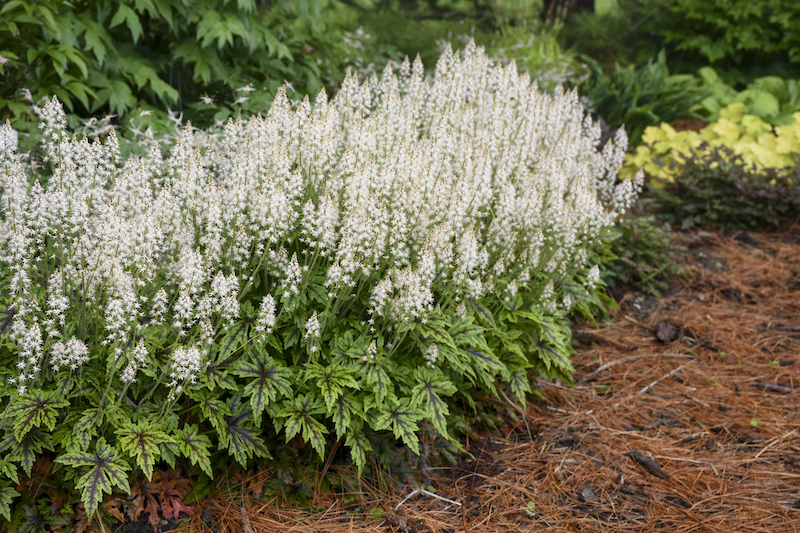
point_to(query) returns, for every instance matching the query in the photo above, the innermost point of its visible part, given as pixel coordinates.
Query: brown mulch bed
(683, 418)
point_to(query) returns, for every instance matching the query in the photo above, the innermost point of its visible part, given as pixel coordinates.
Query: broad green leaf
(9, 470)
(35, 409)
(431, 383)
(7, 495)
(435, 329)
(141, 441)
(299, 414)
(359, 446)
(130, 18)
(212, 409)
(376, 376)
(106, 472)
(401, 417)
(234, 337)
(270, 382)
(84, 431)
(346, 407)
(241, 438)
(27, 450)
(520, 384)
(195, 447)
(331, 381)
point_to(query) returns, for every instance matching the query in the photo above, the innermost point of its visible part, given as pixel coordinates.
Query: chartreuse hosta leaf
(299, 418)
(431, 384)
(35, 409)
(270, 380)
(106, 471)
(401, 416)
(141, 441)
(331, 380)
(195, 447)
(7, 495)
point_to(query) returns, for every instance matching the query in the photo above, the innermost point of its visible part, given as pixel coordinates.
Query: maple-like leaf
(7, 495)
(401, 416)
(299, 413)
(194, 447)
(270, 380)
(431, 383)
(34, 409)
(141, 441)
(241, 438)
(106, 471)
(331, 380)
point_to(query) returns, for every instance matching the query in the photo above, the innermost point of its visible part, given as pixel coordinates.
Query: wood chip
(651, 465)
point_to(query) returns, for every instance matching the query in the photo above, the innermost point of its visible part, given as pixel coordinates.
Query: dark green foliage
(640, 255)
(112, 56)
(620, 35)
(718, 189)
(743, 38)
(638, 98)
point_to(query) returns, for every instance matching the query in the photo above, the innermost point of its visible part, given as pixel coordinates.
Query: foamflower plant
(327, 271)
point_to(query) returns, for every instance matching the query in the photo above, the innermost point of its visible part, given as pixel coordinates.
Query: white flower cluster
(137, 361)
(431, 354)
(72, 354)
(185, 363)
(395, 185)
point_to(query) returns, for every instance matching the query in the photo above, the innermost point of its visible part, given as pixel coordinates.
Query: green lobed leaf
(431, 383)
(343, 415)
(241, 438)
(195, 447)
(35, 409)
(141, 441)
(299, 414)
(106, 471)
(359, 446)
(376, 376)
(213, 410)
(401, 417)
(7, 495)
(84, 431)
(9, 470)
(271, 380)
(332, 381)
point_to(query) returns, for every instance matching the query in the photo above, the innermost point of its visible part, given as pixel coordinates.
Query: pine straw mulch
(684, 418)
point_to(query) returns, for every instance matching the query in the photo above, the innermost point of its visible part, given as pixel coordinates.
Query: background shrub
(718, 188)
(742, 38)
(640, 97)
(193, 56)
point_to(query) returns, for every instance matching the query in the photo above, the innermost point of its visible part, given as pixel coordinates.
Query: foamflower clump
(401, 199)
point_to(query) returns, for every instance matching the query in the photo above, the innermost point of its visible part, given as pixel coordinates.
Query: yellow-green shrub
(756, 141)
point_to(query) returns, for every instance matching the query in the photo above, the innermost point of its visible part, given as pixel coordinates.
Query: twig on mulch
(426, 493)
(640, 356)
